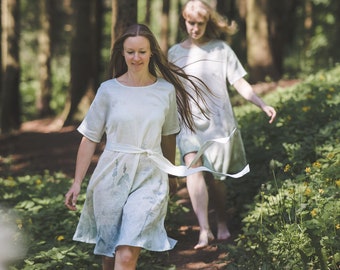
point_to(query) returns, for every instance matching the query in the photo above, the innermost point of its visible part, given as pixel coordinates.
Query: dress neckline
(144, 86)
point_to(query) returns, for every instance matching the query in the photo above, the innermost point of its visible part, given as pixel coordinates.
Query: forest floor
(40, 145)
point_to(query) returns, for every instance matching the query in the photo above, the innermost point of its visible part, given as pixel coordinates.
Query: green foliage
(294, 220)
(291, 219)
(38, 202)
(46, 223)
(315, 39)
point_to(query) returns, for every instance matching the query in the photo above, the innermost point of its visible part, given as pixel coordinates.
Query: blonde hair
(217, 25)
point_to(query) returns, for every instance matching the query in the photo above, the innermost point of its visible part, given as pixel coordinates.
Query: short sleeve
(171, 123)
(93, 125)
(235, 70)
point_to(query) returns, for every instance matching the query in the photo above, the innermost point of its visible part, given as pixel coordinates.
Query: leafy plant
(294, 221)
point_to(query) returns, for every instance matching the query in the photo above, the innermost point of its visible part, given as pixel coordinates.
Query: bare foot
(205, 238)
(222, 231)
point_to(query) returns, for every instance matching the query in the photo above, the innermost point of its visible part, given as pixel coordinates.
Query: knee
(127, 256)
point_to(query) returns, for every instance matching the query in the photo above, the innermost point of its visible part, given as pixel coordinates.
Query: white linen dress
(127, 195)
(214, 63)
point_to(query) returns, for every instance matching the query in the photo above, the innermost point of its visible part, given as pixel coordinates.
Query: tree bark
(269, 25)
(124, 14)
(164, 38)
(10, 101)
(85, 53)
(44, 57)
(260, 59)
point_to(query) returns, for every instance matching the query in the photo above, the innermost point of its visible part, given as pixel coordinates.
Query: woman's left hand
(270, 111)
(72, 196)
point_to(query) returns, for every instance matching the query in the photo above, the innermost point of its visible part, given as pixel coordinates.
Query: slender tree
(85, 53)
(164, 38)
(147, 18)
(124, 13)
(44, 57)
(10, 100)
(269, 25)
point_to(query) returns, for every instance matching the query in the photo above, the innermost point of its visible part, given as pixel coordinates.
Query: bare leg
(126, 257)
(218, 195)
(198, 193)
(108, 263)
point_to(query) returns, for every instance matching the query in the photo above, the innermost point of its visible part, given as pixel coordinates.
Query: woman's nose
(136, 55)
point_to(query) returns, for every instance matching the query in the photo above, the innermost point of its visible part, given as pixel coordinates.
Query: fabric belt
(166, 166)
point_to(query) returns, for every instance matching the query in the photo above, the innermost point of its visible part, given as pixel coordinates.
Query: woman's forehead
(136, 42)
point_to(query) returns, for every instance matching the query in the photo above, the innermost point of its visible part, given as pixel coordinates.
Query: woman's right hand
(72, 196)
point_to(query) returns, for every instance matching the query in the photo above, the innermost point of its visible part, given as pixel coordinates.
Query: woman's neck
(133, 79)
(189, 42)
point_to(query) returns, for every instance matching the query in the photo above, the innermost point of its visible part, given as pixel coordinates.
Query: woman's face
(196, 26)
(137, 53)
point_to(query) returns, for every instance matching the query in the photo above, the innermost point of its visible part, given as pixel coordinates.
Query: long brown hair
(159, 66)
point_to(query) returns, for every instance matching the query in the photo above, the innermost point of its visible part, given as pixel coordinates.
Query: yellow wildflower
(38, 182)
(306, 108)
(337, 183)
(308, 191)
(287, 168)
(307, 170)
(317, 164)
(321, 191)
(337, 226)
(60, 238)
(314, 212)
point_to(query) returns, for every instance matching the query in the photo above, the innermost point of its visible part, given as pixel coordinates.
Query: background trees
(71, 40)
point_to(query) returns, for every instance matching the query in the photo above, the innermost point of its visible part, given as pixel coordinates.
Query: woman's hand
(270, 111)
(72, 196)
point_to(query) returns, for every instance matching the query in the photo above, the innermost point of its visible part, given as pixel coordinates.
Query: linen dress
(214, 63)
(127, 195)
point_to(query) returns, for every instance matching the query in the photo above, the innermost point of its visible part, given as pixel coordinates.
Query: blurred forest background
(54, 53)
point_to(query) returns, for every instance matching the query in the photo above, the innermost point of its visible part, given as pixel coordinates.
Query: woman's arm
(168, 145)
(85, 152)
(246, 91)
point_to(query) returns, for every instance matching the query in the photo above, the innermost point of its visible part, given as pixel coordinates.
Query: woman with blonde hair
(204, 54)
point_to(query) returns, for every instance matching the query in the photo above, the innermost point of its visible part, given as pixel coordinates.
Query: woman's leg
(108, 263)
(126, 257)
(198, 193)
(218, 196)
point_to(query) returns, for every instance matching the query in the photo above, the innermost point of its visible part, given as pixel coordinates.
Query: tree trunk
(10, 101)
(164, 38)
(44, 57)
(124, 14)
(147, 18)
(85, 53)
(269, 27)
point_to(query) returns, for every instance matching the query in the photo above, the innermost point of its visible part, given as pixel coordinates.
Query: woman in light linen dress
(127, 195)
(206, 56)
